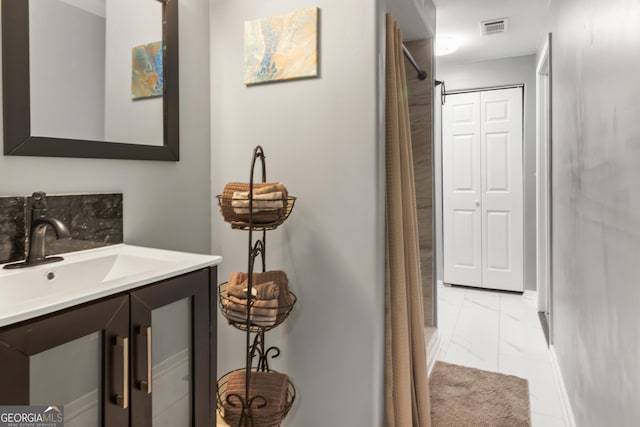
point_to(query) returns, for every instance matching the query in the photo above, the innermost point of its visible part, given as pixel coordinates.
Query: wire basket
(267, 214)
(281, 311)
(231, 405)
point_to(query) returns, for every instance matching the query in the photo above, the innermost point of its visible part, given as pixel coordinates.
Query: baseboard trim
(569, 418)
(440, 283)
(432, 357)
(531, 295)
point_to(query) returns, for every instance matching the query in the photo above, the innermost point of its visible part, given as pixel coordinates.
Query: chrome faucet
(37, 232)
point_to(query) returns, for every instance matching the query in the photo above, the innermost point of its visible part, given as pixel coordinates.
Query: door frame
(440, 169)
(544, 185)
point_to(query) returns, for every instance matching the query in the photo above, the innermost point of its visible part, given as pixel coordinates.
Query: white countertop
(89, 275)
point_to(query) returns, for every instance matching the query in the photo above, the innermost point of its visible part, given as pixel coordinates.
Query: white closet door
(462, 189)
(482, 189)
(502, 211)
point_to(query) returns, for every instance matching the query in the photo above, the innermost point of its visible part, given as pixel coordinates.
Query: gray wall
(166, 204)
(67, 101)
(596, 207)
(321, 140)
(516, 70)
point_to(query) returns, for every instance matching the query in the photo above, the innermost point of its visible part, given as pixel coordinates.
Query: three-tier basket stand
(250, 407)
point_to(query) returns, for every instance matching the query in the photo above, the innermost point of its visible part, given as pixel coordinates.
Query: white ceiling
(461, 19)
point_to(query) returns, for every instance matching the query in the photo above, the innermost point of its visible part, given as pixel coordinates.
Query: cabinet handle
(123, 399)
(146, 385)
(149, 360)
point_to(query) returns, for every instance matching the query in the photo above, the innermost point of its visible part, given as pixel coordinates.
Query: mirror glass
(91, 78)
(96, 70)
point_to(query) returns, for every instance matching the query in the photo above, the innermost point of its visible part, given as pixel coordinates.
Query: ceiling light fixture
(446, 45)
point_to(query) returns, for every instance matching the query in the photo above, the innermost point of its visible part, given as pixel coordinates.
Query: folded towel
(269, 382)
(256, 304)
(237, 213)
(258, 218)
(257, 317)
(241, 317)
(267, 307)
(261, 202)
(261, 291)
(237, 287)
(284, 298)
(236, 277)
(270, 188)
(272, 386)
(266, 290)
(240, 290)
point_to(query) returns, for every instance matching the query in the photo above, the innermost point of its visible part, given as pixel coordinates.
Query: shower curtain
(406, 382)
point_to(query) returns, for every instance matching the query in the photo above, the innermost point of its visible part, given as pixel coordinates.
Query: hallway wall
(596, 207)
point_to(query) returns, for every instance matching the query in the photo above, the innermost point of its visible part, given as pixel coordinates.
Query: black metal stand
(256, 349)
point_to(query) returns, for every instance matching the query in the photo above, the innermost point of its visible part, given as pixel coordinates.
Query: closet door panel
(498, 225)
(497, 158)
(464, 227)
(462, 190)
(502, 212)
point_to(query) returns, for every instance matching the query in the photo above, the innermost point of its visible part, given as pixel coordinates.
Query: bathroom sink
(74, 274)
(87, 275)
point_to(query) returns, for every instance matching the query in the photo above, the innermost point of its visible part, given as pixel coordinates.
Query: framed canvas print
(146, 71)
(282, 47)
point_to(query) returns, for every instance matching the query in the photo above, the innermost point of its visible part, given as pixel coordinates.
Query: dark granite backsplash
(93, 220)
(12, 228)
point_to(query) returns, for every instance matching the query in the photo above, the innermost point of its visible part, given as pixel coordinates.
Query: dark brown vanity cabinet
(141, 358)
(75, 358)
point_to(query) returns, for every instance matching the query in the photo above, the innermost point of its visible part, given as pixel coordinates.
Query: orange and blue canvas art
(146, 71)
(281, 47)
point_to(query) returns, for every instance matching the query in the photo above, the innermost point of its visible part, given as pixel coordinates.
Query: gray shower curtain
(406, 382)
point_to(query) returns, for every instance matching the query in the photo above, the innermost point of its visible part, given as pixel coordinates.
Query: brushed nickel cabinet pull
(123, 399)
(149, 360)
(145, 385)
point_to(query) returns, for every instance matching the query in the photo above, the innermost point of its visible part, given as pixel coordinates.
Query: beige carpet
(462, 397)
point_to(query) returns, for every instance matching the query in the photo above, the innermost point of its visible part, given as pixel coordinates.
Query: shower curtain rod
(421, 73)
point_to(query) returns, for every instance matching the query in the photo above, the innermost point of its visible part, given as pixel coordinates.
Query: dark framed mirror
(20, 139)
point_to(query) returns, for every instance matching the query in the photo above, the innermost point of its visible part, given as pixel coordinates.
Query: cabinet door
(170, 366)
(77, 358)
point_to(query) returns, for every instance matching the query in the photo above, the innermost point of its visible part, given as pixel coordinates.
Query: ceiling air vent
(494, 26)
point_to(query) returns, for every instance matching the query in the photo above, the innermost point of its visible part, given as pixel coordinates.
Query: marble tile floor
(500, 332)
